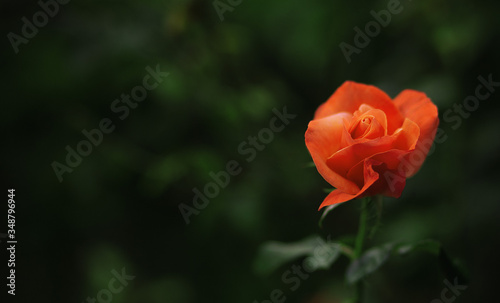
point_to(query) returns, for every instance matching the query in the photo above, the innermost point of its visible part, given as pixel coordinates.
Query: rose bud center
(368, 123)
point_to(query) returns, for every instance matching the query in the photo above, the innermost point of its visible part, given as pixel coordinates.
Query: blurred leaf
(370, 261)
(373, 258)
(273, 254)
(430, 246)
(450, 268)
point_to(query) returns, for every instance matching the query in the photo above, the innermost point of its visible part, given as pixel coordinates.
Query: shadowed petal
(339, 196)
(417, 107)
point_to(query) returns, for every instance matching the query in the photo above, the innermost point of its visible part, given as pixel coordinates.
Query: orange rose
(359, 139)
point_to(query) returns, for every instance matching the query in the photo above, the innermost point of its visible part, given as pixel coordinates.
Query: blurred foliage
(119, 207)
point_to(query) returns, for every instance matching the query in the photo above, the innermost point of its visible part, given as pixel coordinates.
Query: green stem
(360, 238)
(378, 201)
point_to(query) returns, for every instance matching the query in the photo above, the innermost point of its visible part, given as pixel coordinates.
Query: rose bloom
(364, 144)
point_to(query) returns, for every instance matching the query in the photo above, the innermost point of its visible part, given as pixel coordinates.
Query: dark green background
(119, 207)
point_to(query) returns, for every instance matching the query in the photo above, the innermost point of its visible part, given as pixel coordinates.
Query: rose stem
(358, 248)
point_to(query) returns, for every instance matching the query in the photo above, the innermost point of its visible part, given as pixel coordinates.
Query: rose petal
(392, 180)
(417, 107)
(404, 139)
(375, 127)
(339, 196)
(324, 138)
(392, 177)
(350, 96)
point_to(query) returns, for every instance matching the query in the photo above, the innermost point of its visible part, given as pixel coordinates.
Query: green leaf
(430, 246)
(370, 261)
(373, 258)
(322, 254)
(450, 268)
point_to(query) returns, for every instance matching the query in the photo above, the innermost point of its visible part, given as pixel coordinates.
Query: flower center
(368, 123)
(362, 127)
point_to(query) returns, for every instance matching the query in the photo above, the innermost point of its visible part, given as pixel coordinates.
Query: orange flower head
(364, 144)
